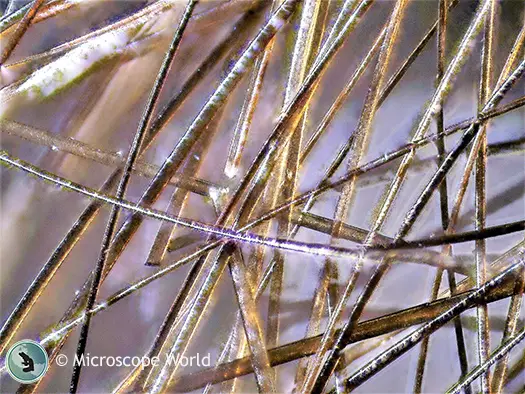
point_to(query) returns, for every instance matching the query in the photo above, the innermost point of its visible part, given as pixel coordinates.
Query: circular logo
(27, 361)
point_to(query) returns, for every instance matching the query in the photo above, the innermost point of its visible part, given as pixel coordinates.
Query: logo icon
(27, 361)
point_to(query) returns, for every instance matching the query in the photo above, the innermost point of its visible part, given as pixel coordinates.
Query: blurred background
(99, 100)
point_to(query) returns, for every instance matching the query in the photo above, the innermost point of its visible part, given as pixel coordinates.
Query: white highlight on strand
(308, 248)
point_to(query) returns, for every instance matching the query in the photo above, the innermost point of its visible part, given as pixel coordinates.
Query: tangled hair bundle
(310, 195)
